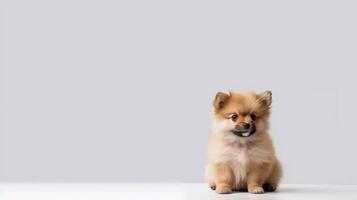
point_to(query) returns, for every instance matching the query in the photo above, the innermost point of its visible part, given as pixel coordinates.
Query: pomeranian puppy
(241, 155)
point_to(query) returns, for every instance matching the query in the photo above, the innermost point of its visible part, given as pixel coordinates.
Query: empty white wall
(122, 90)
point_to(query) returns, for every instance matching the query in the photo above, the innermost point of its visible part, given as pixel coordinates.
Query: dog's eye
(234, 117)
(253, 117)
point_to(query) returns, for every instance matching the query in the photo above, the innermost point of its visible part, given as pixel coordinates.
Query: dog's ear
(220, 99)
(265, 98)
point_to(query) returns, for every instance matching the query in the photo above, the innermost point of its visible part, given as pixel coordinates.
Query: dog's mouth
(244, 133)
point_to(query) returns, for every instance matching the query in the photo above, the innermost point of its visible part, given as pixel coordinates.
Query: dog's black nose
(246, 126)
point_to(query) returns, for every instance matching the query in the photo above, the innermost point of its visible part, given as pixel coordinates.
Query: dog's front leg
(224, 178)
(256, 177)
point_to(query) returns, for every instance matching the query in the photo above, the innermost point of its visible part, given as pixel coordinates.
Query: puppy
(241, 155)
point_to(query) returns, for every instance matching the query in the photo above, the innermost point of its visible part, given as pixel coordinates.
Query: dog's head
(241, 114)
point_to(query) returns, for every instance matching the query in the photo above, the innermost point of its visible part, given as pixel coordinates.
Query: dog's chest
(239, 162)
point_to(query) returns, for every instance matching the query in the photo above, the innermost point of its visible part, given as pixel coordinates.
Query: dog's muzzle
(245, 130)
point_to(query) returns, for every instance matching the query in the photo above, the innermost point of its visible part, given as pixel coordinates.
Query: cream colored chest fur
(239, 162)
(237, 155)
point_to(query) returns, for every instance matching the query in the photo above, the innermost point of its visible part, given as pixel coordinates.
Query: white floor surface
(163, 191)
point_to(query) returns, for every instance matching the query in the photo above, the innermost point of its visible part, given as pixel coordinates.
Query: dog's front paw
(223, 189)
(255, 190)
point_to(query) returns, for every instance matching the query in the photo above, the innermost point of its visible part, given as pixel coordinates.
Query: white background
(122, 90)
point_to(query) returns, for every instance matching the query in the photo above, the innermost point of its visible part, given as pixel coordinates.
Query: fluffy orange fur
(242, 159)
